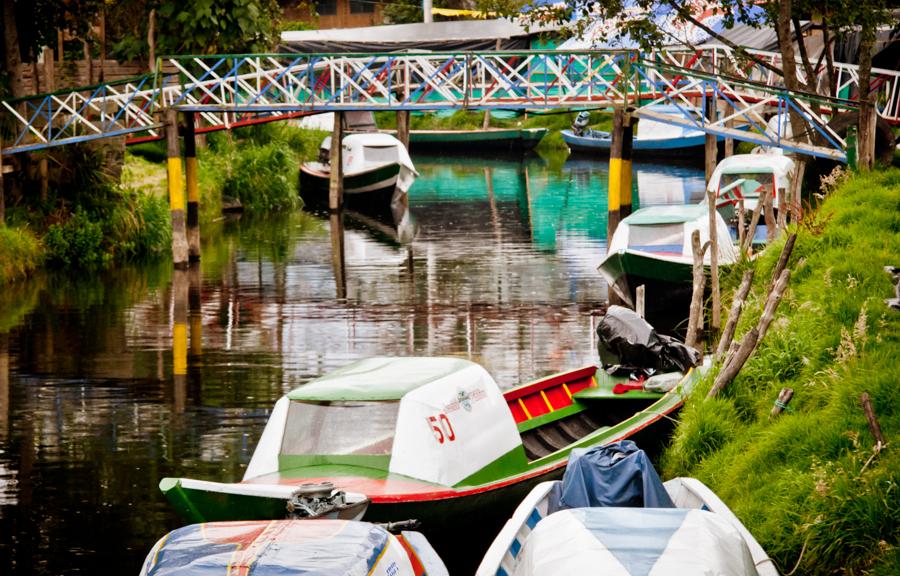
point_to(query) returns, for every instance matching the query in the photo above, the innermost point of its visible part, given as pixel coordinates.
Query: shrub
(76, 242)
(20, 254)
(264, 179)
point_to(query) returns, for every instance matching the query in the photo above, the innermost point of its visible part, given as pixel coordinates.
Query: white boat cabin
(747, 176)
(438, 420)
(367, 150)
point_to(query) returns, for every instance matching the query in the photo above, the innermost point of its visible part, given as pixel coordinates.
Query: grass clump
(21, 253)
(809, 484)
(264, 179)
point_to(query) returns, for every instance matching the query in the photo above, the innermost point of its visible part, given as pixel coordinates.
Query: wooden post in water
(337, 253)
(193, 187)
(336, 161)
(403, 127)
(176, 191)
(49, 86)
(179, 337)
(619, 197)
(711, 149)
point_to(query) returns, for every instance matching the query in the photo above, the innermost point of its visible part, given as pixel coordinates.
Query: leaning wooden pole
(874, 427)
(754, 220)
(737, 306)
(783, 258)
(176, 191)
(193, 188)
(715, 321)
(619, 197)
(336, 161)
(695, 318)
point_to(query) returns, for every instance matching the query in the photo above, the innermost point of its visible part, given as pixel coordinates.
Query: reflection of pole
(195, 310)
(337, 253)
(336, 161)
(180, 292)
(176, 192)
(4, 384)
(619, 197)
(193, 188)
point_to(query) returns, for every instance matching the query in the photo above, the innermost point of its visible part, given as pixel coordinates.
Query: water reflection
(109, 383)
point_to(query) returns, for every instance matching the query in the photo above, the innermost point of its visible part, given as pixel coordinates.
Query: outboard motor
(580, 125)
(315, 500)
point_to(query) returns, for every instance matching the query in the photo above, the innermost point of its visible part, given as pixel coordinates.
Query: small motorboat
(292, 547)
(610, 514)
(377, 173)
(651, 137)
(744, 177)
(653, 247)
(433, 439)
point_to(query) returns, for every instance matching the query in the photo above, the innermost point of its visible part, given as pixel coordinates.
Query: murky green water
(502, 270)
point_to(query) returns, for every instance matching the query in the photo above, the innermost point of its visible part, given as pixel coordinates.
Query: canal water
(497, 264)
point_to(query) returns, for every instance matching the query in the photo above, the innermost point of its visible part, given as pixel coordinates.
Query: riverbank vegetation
(810, 484)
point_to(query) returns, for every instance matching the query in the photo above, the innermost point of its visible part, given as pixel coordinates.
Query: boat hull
(465, 141)
(640, 146)
(370, 192)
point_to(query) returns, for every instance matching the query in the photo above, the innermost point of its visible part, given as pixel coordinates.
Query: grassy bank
(809, 484)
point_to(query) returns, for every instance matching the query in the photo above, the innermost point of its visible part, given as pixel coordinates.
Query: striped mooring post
(193, 188)
(619, 197)
(176, 191)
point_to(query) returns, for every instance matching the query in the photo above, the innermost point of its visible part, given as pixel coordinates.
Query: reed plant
(810, 484)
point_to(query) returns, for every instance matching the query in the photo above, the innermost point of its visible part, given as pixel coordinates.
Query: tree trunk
(151, 41)
(789, 63)
(11, 47)
(866, 107)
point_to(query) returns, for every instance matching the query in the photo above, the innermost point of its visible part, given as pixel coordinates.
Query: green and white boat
(432, 439)
(652, 247)
(466, 141)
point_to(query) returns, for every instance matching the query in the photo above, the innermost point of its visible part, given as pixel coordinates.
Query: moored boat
(467, 141)
(291, 547)
(652, 247)
(377, 172)
(432, 439)
(745, 177)
(610, 514)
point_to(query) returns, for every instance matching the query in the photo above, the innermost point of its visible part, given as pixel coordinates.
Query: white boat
(625, 522)
(653, 247)
(746, 176)
(377, 171)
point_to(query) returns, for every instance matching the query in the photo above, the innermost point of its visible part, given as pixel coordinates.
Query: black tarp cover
(626, 339)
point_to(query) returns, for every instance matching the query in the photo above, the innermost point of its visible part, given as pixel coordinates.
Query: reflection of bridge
(229, 90)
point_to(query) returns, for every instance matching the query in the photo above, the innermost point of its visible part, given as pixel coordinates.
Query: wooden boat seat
(549, 438)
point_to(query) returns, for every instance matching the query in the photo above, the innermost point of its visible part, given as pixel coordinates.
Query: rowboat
(377, 172)
(610, 514)
(653, 247)
(292, 547)
(465, 141)
(430, 438)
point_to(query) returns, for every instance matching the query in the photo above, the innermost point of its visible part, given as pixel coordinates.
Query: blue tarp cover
(617, 474)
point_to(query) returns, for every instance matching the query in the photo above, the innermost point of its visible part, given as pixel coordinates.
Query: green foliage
(214, 26)
(264, 179)
(20, 253)
(75, 243)
(154, 151)
(808, 484)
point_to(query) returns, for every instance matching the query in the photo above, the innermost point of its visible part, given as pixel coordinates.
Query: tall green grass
(21, 253)
(808, 484)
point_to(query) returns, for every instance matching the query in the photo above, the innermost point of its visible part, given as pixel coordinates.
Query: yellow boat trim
(568, 392)
(524, 409)
(547, 401)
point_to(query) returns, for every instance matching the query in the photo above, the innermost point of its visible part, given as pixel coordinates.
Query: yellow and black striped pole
(193, 189)
(176, 191)
(619, 198)
(179, 338)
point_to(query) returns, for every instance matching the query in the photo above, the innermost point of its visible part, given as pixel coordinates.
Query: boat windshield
(381, 154)
(662, 238)
(339, 428)
(746, 185)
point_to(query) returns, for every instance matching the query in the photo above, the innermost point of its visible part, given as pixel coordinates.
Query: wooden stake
(711, 149)
(727, 374)
(784, 398)
(873, 421)
(772, 302)
(695, 317)
(782, 260)
(770, 219)
(782, 209)
(740, 222)
(754, 219)
(737, 306)
(336, 174)
(639, 300)
(715, 321)
(403, 127)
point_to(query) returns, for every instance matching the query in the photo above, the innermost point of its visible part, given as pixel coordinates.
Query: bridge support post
(403, 127)
(176, 191)
(336, 161)
(193, 188)
(619, 198)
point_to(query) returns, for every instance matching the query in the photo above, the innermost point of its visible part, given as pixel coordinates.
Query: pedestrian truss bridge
(713, 89)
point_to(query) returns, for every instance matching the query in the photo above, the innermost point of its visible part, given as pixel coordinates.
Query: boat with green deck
(429, 438)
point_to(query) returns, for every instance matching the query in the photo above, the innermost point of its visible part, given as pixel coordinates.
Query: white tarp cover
(451, 428)
(279, 548)
(636, 542)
